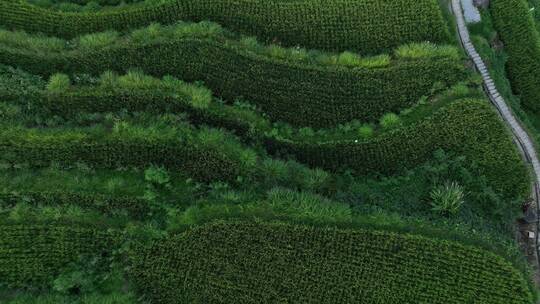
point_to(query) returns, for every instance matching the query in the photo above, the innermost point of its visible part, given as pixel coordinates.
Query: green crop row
(466, 127)
(32, 253)
(299, 90)
(259, 262)
(363, 25)
(206, 154)
(516, 27)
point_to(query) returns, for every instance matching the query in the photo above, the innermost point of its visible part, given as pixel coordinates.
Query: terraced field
(283, 151)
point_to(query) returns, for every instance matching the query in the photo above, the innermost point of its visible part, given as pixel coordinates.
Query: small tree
(447, 199)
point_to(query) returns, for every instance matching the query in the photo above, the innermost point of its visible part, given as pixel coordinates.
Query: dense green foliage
(245, 262)
(467, 127)
(475, 137)
(144, 159)
(516, 27)
(206, 154)
(291, 86)
(32, 253)
(364, 25)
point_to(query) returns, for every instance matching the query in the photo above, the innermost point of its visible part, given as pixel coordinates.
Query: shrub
(365, 132)
(136, 80)
(108, 80)
(59, 83)
(390, 121)
(447, 199)
(97, 40)
(361, 25)
(349, 59)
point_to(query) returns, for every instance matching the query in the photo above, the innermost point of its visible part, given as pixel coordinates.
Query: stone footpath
(529, 232)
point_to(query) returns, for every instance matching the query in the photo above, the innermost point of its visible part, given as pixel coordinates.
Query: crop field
(249, 151)
(323, 265)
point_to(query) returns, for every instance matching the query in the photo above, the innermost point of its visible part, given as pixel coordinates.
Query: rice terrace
(269, 151)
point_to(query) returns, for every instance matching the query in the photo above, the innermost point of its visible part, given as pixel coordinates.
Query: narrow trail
(520, 136)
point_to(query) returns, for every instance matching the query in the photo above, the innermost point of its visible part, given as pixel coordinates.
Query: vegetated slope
(32, 253)
(467, 127)
(302, 88)
(516, 27)
(244, 262)
(363, 25)
(206, 154)
(56, 134)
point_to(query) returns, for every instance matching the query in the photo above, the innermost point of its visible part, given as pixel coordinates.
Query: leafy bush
(267, 261)
(58, 83)
(390, 120)
(349, 59)
(363, 25)
(365, 132)
(97, 40)
(447, 199)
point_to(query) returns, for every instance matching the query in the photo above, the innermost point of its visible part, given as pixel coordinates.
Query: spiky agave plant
(447, 199)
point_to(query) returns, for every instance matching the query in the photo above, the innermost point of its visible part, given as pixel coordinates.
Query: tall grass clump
(426, 50)
(98, 40)
(27, 41)
(365, 131)
(59, 83)
(447, 199)
(349, 59)
(390, 121)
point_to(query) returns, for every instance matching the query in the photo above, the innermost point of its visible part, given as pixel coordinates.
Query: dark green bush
(364, 25)
(303, 92)
(516, 27)
(259, 262)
